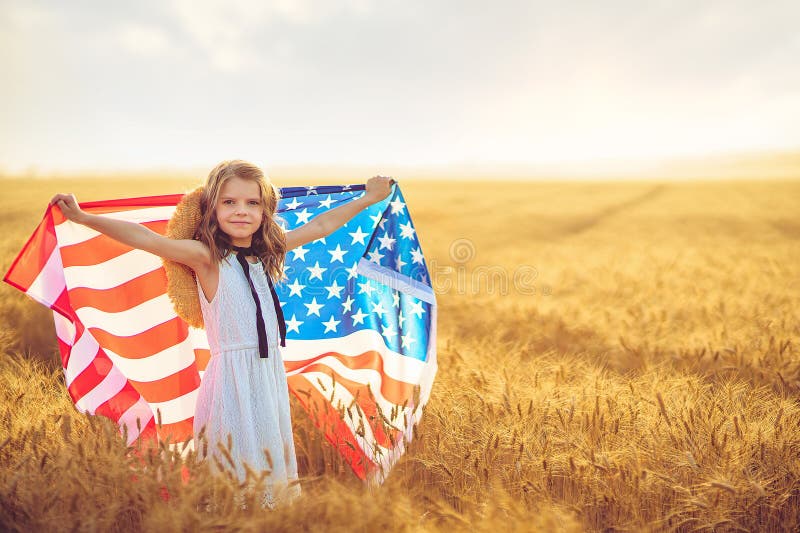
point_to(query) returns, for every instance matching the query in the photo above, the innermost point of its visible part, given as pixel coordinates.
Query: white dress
(242, 394)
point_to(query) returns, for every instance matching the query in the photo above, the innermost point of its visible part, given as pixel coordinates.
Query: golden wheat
(645, 376)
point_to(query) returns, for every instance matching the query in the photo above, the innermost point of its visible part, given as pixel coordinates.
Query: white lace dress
(242, 394)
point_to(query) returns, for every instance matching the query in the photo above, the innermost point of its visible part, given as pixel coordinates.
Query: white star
(311, 190)
(407, 340)
(327, 202)
(406, 231)
(293, 204)
(375, 256)
(401, 318)
(299, 252)
(303, 216)
(321, 240)
(331, 324)
(358, 318)
(314, 307)
(316, 271)
(388, 331)
(366, 288)
(352, 272)
(337, 254)
(345, 187)
(397, 206)
(386, 242)
(416, 255)
(334, 290)
(347, 304)
(416, 308)
(396, 299)
(398, 263)
(378, 220)
(358, 236)
(293, 324)
(378, 309)
(295, 288)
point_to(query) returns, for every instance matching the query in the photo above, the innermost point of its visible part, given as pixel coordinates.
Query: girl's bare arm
(193, 254)
(326, 223)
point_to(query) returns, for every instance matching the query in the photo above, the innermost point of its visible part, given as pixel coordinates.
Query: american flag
(360, 350)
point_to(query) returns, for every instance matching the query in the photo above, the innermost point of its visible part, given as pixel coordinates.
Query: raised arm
(193, 254)
(326, 223)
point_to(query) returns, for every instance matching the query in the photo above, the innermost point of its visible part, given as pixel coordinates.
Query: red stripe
(116, 406)
(362, 395)
(334, 428)
(122, 297)
(144, 344)
(169, 387)
(394, 390)
(91, 376)
(201, 358)
(134, 203)
(34, 255)
(101, 248)
(177, 431)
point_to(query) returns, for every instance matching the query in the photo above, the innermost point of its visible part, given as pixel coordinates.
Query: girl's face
(239, 211)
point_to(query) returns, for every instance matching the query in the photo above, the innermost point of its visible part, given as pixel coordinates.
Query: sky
(94, 85)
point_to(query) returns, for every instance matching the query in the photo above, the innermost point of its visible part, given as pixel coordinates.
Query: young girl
(237, 251)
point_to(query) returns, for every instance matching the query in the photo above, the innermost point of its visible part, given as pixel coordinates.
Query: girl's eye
(254, 202)
(227, 202)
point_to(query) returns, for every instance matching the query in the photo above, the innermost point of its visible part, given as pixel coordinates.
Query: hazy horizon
(392, 85)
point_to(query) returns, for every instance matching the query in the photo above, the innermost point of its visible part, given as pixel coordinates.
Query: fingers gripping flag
(360, 352)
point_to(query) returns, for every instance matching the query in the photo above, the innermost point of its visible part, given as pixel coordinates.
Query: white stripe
(175, 410)
(399, 367)
(81, 356)
(132, 321)
(395, 280)
(69, 233)
(157, 366)
(104, 391)
(65, 329)
(138, 410)
(363, 376)
(198, 338)
(49, 283)
(113, 272)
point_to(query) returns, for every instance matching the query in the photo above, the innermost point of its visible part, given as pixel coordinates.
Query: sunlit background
(438, 87)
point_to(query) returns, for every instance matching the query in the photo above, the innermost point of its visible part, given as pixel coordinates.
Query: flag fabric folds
(360, 312)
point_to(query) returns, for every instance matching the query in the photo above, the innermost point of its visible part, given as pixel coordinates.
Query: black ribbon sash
(263, 348)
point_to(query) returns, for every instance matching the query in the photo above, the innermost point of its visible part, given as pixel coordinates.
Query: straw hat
(181, 284)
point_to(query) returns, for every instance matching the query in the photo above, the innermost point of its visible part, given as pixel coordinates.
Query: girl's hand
(378, 188)
(69, 206)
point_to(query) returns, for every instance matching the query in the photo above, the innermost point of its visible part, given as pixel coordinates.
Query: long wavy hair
(269, 240)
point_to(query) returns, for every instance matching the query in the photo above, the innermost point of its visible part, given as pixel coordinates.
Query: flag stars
(334, 290)
(316, 271)
(416, 308)
(416, 256)
(401, 319)
(378, 309)
(303, 216)
(358, 236)
(331, 324)
(352, 272)
(398, 263)
(293, 324)
(358, 317)
(397, 206)
(386, 242)
(294, 204)
(396, 299)
(388, 331)
(327, 202)
(408, 340)
(378, 219)
(295, 289)
(314, 307)
(300, 253)
(407, 231)
(347, 304)
(337, 254)
(366, 288)
(375, 256)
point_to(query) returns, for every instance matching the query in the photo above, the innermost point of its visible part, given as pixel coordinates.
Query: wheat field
(615, 356)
